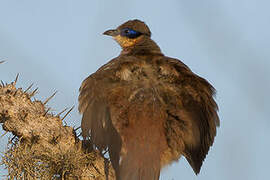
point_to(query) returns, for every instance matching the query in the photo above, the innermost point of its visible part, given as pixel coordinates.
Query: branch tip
(77, 128)
(3, 84)
(49, 98)
(61, 112)
(47, 111)
(68, 112)
(29, 88)
(16, 79)
(34, 92)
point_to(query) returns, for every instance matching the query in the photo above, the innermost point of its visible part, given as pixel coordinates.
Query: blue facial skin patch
(130, 33)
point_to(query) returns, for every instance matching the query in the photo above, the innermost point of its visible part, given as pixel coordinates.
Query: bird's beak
(112, 32)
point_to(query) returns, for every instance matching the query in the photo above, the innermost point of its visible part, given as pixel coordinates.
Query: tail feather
(143, 141)
(140, 165)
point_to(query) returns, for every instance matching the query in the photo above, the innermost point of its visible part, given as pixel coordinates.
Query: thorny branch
(42, 147)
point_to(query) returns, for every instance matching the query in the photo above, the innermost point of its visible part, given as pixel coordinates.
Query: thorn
(16, 79)
(61, 112)
(25, 115)
(13, 138)
(2, 62)
(67, 113)
(49, 98)
(47, 111)
(77, 128)
(34, 92)
(4, 134)
(3, 84)
(65, 123)
(103, 153)
(79, 135)
(29, 88)
(15, 93)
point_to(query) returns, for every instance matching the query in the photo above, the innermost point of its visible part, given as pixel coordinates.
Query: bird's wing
(192, 111)
(95, 113)
(96, 121)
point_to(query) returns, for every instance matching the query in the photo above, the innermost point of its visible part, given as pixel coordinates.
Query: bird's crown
(134, 27)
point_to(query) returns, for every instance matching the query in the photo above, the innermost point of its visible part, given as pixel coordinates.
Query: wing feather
(192, 113)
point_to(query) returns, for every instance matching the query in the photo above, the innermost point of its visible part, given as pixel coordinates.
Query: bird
(146, 109)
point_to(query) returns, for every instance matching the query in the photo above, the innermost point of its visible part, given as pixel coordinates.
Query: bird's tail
(140, 164)
(142, 143)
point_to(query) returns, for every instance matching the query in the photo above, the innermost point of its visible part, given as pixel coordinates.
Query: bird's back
(148, 110)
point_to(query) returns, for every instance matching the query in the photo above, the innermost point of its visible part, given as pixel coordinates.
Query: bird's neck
(144, 47)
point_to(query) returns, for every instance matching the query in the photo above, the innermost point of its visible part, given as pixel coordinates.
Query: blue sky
(56, 44)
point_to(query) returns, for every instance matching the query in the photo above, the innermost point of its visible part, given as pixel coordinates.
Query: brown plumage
(146, 108)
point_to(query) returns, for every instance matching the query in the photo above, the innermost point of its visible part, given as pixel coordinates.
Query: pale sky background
(56, 44)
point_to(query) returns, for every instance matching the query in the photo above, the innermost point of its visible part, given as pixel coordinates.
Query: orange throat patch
(125, 42)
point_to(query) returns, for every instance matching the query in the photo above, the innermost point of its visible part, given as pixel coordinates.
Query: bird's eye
(126, 31)
(130, 33)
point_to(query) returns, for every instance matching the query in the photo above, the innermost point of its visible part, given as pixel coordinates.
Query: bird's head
(130, 33)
